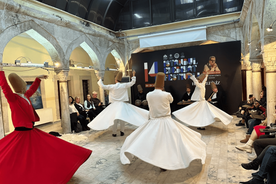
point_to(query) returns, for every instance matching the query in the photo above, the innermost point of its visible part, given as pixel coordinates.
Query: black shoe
(254, 165)
(254, 181)
(114, 135)
(239, 115)
(87, 128)
(163, 170)
(122, 133)
(201, 128)
(240, 123)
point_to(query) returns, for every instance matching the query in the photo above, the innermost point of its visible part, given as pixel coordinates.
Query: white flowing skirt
(165, 143)
(201, 113)
(119, 111)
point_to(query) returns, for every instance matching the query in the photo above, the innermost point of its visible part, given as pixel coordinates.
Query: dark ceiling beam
(119, 14)
(119, 3)
(107, 11)
(88, 10)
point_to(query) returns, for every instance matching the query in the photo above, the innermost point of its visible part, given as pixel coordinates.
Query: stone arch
(118, 57)
(87, 45)
(255, 38)
(39, 34)
(269, 38)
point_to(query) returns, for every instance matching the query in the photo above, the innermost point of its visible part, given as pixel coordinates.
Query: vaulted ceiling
(130, 14)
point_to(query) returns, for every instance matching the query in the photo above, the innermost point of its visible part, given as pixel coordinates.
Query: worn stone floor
(104, 167)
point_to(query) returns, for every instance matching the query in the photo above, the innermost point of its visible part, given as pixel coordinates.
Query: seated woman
(254, 135)
(78, 117)
(90, 107)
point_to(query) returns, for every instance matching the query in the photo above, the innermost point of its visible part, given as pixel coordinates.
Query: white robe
(119, 109)
(162, 141)
(201, 113)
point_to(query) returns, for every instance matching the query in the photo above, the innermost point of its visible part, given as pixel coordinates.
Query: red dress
(257, 129)
(33, 156)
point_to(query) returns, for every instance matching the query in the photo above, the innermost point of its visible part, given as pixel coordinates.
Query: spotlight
(46, 64)
(269, 29)
(57, 64)
(17, 62)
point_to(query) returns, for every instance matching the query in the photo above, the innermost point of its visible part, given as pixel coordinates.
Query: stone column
(64, 103)
(246, 65)
(270, 64)
(101, 90)
(256, 77)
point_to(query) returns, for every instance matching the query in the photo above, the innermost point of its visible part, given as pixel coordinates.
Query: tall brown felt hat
(213, 85)
(17, 82)
(119, 76)
(139, 87)
(188, 86)
(201, 77)
(159, 81)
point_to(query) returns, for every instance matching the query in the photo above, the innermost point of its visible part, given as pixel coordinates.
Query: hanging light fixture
(269, 29)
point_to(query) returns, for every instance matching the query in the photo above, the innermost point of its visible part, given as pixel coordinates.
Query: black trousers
(82, 121)
(264, 141)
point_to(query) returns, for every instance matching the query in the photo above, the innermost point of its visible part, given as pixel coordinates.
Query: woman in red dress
(29, 155)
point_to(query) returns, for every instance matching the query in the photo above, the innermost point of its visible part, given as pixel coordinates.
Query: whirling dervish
(119, 111)
(29, 155)
(201, 113)
(162, 141)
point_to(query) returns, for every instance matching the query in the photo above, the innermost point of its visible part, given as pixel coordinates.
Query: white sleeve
(170, 98)
(106, 87)
(194, 80)
(205, 79)
(129, 84)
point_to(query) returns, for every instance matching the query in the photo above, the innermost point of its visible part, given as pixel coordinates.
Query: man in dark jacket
(82, 112)
(187, 96)
(97, 103)
(216, 97)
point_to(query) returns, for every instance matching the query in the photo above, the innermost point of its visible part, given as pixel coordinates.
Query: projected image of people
(211, 66)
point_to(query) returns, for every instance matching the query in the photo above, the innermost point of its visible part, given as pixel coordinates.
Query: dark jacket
(218, 101)
(187, 97)
(80, 109)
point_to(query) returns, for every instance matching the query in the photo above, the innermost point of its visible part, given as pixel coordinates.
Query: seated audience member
(74, 112)
(254, 164)
(216, 97)
(264, 90)
(82, 112)
(90, 107)
(97, 103)
(254, 135)
(243, 110)
(263, 99)
(187, 96)
(249, 102)
(257, 114)
(267, 168)
(141, 98)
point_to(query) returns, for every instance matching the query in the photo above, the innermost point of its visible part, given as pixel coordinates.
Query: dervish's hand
(98, 76)
(133, 73)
